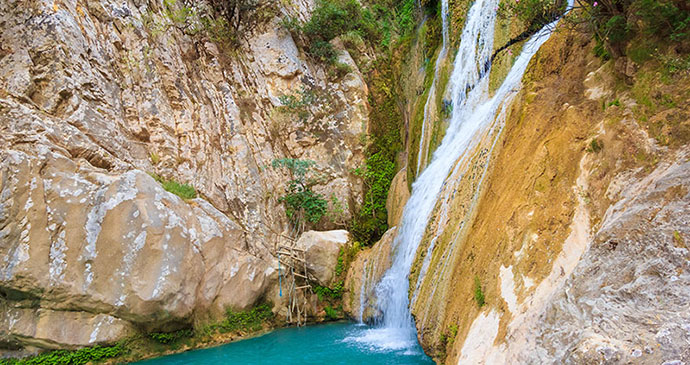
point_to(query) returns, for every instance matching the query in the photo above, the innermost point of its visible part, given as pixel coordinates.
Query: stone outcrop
(321, 252)
(397, 197)
(94, 95)
(79, 240)
(359, 299)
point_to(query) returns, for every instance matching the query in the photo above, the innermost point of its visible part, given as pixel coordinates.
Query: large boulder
(79, 244)
(322, 250)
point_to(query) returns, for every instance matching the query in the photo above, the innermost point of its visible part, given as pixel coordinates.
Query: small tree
(302, 204)
(242, 15)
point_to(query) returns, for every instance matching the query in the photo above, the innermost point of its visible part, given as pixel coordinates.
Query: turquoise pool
(334, 343)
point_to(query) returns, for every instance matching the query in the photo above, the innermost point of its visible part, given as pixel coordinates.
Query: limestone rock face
(628, 299)
(83, 241)
(359, 300)
(62, 329)
(322, 250)
(93, 96)
(397, 197)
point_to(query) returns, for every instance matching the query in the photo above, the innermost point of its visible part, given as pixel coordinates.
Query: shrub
(302, 205)
(595, 146)
(340, 266)
(478, 293)
(373, 216)
(67, 357)
(170, 337)
(249, 321)
(184, 191)
(332, 19)
(334, 293)
(299, 103)
(664, 18)
(331, 313)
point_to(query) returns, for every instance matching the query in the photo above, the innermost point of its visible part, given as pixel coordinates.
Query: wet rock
(359, 300)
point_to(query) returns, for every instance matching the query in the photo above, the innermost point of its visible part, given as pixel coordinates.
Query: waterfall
(423, 145)
(473, 112)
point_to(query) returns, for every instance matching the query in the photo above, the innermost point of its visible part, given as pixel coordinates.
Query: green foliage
(533, 13)
(447, 338)
(247, 321)
(299, 103)
(331, 19)
(672, 65)
(372, 220)
(155, 158)
(600, 50)
(616, 29)
(478, 293)
(336, 213)
(453, 331)
(340, 266)
(334, 293)
(302, 205)
(664, 18)
(340, 69)
(332, 314)
(375, 24)
(184, 191)
(678, 239)
(595, 146)
(171, 337)
(615, 102)
(66, 357)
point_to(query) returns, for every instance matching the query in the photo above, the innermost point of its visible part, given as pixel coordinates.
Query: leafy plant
(336, 213)
(340, 266)
(155, 158)
(184, 191)
(595, 146)
(299, 103)
(331, 313)
(302, 205)
(248, 321)
(478, 293)
(372, 221)
(67, 357)
(170, 337)
(334, 293)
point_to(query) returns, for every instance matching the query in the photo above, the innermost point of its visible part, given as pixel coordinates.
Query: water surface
(334, 343)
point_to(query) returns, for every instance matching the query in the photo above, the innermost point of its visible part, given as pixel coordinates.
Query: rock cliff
(97, 95)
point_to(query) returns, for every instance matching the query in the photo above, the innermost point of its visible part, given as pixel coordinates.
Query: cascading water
(423, 146)
(473, 112)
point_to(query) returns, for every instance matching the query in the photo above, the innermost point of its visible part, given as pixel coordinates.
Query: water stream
(474, 110)
(423, 143)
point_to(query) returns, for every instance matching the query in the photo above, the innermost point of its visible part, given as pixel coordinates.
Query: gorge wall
(97, 95)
